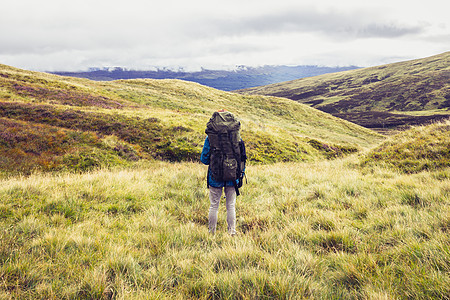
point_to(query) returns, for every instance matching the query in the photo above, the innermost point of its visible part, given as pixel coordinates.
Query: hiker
(224, 153)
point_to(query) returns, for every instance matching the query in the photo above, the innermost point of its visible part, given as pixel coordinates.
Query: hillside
(49, 122)
(368, 226)
(325, 229)
(404, 93)
(418, 149)
(226, 80)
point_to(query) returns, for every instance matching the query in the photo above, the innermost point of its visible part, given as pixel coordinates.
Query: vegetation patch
(40, 89)
(418, 149)
(65, 97)
(332, 151)
(335, 242)
(26, 147)
(388, 120)
(137, 138)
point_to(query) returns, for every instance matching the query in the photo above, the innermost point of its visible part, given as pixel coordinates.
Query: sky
(61, 35)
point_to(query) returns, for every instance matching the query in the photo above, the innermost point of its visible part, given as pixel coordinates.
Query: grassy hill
(325, 229)
(418, 149)
(52, 123)
(374, 225)
(404, 93)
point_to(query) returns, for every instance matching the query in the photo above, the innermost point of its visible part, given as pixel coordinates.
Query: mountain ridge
(226, 80)
(389, 95)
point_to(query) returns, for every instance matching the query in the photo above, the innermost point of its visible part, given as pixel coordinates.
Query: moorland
(103, 197)
(381, 97)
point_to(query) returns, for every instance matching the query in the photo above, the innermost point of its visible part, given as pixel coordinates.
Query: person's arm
(206, 155)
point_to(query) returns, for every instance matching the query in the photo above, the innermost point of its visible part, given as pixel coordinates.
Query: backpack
(227, 150)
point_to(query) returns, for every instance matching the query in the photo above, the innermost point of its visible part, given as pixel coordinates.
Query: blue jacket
(205, 158)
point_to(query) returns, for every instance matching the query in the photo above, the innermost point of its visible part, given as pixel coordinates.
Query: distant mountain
(240, 78)
(404, 93)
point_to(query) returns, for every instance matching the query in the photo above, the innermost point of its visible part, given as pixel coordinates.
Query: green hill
(418, 149)
(404, 93)
(49, 122)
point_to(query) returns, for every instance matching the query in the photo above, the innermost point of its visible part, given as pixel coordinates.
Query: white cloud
(74, 35)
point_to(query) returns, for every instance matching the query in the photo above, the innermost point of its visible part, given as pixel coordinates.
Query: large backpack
(226, 148)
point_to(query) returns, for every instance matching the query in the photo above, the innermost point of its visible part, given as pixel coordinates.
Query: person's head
(222, 110)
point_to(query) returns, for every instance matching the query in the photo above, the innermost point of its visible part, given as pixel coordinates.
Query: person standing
(224, 153)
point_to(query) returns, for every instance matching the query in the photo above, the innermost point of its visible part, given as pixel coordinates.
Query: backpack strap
(207, 177)
(238, 161)
(223, 153)
(236, 188)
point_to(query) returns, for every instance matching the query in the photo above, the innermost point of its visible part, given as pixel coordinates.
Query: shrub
(331, 151)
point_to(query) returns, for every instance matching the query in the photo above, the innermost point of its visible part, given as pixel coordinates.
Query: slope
(417, 149)
(409, 92)
(49, 122)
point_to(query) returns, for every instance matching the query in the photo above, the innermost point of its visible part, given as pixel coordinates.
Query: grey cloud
(56, 35)
(439, 38)
(41, 40)
(387, 31)
(341, 25)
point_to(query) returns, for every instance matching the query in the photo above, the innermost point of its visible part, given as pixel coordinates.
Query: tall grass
(322, 230)
(420, 148)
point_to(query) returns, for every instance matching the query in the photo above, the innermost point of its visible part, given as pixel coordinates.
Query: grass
(415, 150)
(327, 229)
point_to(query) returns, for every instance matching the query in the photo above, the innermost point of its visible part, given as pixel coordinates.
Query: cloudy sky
(61, 35)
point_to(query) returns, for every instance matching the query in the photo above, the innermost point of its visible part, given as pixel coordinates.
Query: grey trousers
(214, 196)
